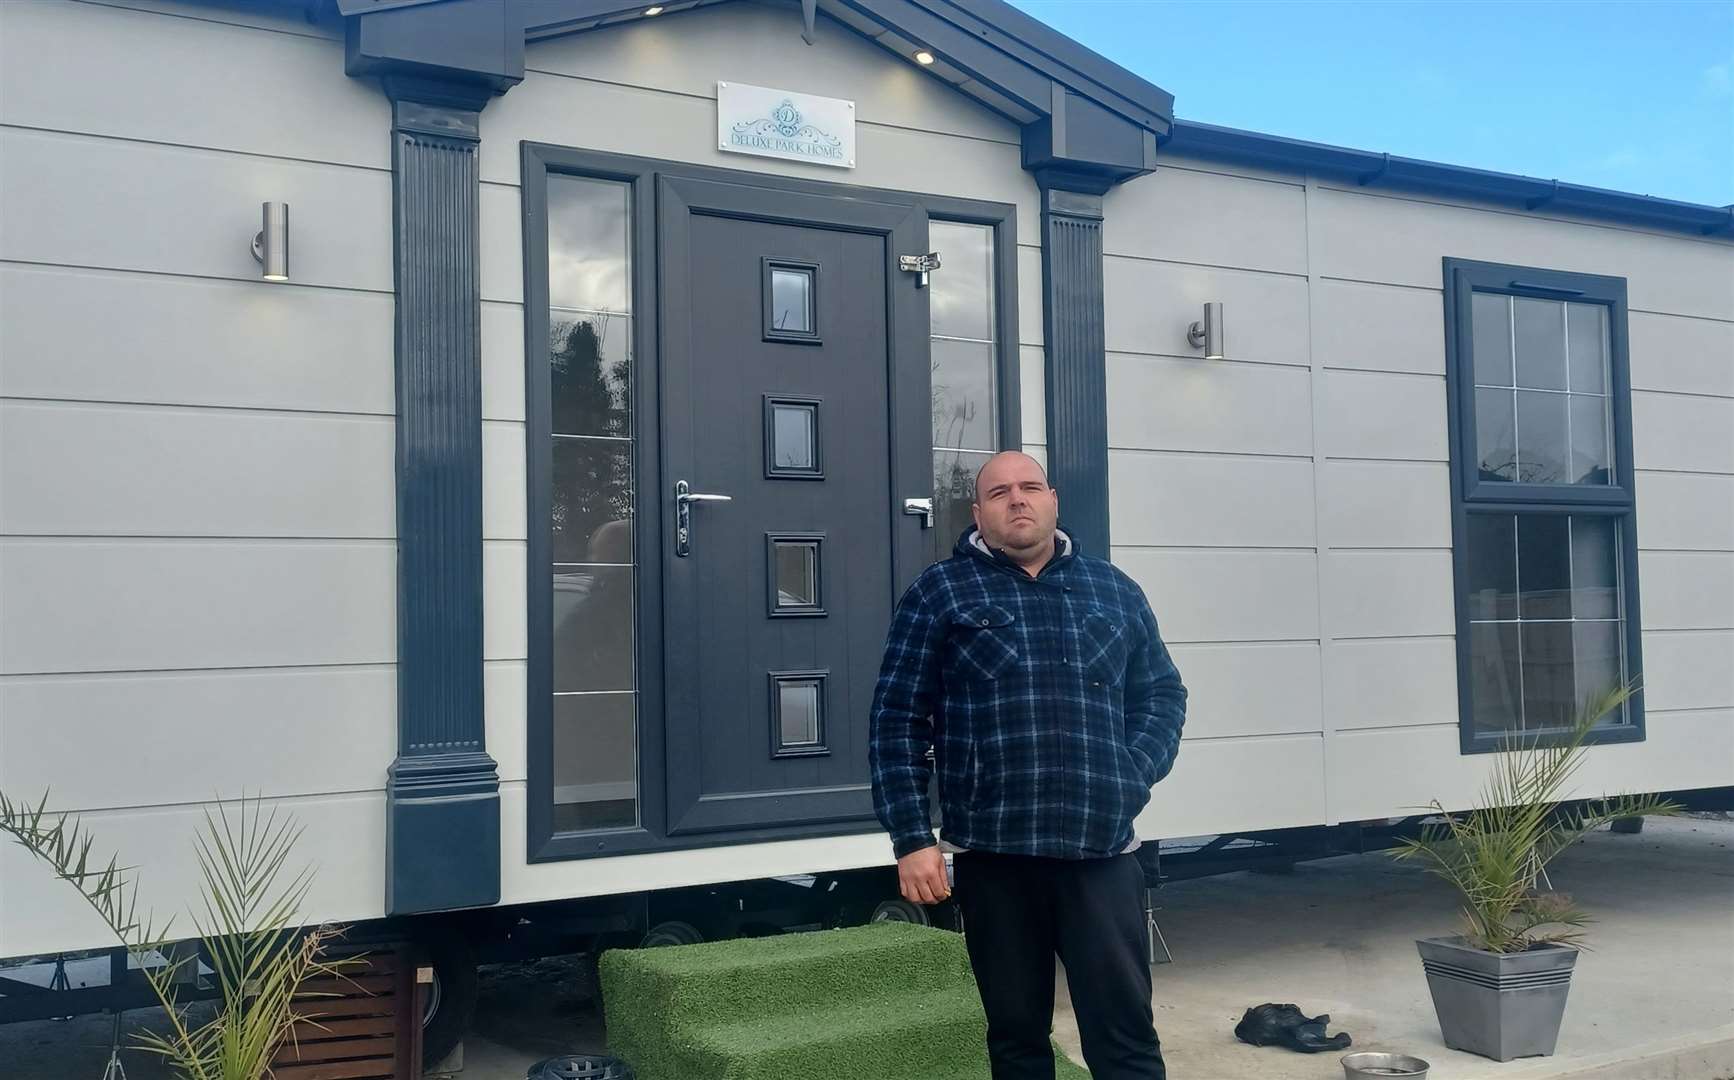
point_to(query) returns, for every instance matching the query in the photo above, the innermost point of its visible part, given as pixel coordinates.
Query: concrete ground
(1653, 1000)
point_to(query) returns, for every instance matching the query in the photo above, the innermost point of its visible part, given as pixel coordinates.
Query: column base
(442, 833)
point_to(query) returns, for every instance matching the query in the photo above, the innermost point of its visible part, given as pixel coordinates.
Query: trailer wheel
(901, 911)
(451, 998)
(672, 932)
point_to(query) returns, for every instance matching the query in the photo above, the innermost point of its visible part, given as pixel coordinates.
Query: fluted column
(1077, 390)
(443, 815)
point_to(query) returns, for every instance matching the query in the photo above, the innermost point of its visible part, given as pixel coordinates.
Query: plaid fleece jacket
(1050, 704)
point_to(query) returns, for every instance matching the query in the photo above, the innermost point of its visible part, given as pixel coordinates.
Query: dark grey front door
(795, 384)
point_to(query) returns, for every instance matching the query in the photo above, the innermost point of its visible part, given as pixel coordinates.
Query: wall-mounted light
(1207, 334)
(271, 245)
(923, 57)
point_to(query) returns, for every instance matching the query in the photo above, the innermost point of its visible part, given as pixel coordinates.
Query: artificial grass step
(754, 977)
(890, 1001)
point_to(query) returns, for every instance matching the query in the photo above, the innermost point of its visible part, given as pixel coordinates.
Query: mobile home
(410, 519)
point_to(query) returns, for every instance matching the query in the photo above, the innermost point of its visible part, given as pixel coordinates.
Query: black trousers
(1019, 911)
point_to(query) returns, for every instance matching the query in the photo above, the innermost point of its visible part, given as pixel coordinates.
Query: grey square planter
(1498, 1005)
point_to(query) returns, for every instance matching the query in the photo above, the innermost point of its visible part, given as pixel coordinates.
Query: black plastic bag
(1286, 1025)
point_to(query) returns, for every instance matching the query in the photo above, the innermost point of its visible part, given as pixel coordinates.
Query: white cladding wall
(1288, 509)
(216, 607)
(197, 534)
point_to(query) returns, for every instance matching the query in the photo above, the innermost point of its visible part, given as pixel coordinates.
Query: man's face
(1015, 509)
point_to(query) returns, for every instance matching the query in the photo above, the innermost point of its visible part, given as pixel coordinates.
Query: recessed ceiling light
(924, 57)
(653, 10)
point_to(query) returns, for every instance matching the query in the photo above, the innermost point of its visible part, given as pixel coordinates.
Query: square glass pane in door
(792, 570)
(792, 448)
(791, 300)
(798, 713)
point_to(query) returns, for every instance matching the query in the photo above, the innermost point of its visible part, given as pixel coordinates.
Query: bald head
(1003, 455)
(1015, 509)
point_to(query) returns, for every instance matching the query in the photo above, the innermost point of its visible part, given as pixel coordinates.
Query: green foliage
(248, 922)
(1494, 854)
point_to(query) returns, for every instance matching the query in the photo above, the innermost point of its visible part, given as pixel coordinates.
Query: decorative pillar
(443, 816)
(1077, 384)
(440, 64)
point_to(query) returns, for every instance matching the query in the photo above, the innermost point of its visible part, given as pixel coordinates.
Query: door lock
(919, 265)
(684, 497)
(922, 508)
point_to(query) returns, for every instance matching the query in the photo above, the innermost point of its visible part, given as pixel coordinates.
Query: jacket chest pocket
(1104, 645)
(983, 642)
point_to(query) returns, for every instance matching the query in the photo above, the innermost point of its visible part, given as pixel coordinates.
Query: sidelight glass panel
(965, 387)
(589, 375)
(592, 620)
(963, 406)
(962, 288)
(595, 762)
(593, 628)
(591, 519)
(953, 493)
(589, 259)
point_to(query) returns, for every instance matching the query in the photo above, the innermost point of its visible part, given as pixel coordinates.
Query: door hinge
(920, 265)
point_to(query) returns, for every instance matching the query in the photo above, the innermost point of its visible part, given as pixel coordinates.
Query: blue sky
(1632, 96)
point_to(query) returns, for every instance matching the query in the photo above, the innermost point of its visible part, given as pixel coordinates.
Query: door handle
(684, 497)
(921, 507)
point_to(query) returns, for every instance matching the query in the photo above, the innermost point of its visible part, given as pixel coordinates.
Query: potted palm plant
(1499, 987)
(248, 924)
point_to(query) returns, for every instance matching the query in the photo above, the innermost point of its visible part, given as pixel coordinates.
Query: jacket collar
(971, 544)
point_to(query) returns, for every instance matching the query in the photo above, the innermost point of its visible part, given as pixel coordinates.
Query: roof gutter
(1386, 170)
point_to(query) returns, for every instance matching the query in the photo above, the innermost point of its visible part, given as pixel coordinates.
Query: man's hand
(921, 876)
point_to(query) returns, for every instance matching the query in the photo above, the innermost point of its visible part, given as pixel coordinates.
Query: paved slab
(1337, 936)
(1654, 1000)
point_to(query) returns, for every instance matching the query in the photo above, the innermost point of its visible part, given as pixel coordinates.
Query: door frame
(651, 507)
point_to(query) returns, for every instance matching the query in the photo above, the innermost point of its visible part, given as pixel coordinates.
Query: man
(1038, 677)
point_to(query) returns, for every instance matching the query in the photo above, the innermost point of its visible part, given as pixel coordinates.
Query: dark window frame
(776, 610)
(537, 161)
(1470, 494)
(773, 471)
(821, 679)
(768, 265)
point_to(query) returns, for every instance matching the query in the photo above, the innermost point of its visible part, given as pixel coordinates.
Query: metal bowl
(1377, 1065)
